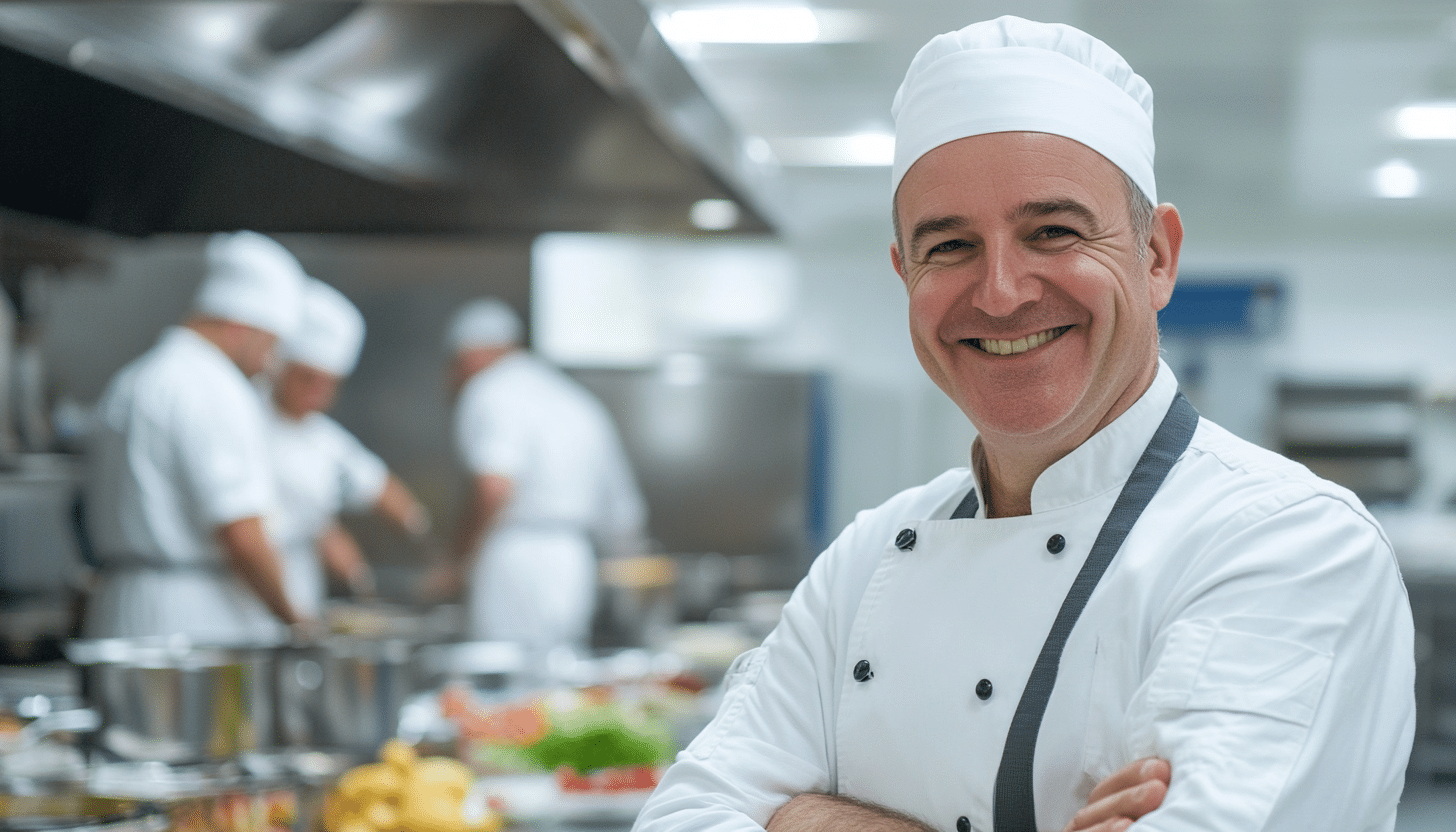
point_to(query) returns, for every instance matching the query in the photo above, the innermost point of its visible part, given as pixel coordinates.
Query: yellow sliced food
(442, 772)
(398, 754)
(368, 782)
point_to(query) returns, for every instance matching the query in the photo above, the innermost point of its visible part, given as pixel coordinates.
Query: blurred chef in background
(322, 468)
(549, 478)
(180, 482)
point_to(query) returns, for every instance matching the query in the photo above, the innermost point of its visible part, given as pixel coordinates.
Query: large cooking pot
(171, 701)
(343, 693)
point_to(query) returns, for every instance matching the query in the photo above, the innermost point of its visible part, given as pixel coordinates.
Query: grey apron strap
(1014, 806)
(968, 507)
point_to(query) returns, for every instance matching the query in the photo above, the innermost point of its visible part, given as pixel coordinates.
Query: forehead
(1006, 170)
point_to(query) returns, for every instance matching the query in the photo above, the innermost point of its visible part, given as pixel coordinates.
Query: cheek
(932, 299)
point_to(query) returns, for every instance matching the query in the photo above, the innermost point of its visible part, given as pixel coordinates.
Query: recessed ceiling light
(1431, 120)
(741, 24)
(714, 214)
(1396, 179)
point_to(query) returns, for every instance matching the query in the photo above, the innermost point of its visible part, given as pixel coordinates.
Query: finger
(1130, 775)
(1129, 804)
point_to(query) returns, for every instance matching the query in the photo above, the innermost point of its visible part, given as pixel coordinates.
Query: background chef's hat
(330, 333)
(486, 322)
(1014, 74)
(253, 280)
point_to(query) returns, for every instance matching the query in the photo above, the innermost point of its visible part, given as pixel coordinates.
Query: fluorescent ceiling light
(858, 150)
(1397, 179)
(741, 24)
(1433, 120)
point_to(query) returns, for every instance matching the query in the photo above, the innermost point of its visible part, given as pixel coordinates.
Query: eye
(947, 247)
(1052, 232)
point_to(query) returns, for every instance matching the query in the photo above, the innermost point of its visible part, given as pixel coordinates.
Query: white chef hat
(331, 331)
(485, 322)
(1014, 74)
(253, 280)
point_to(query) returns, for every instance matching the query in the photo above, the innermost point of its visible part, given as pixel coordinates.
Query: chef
(1118, 611)
(551, 487)
(322, 468)
(180, 492)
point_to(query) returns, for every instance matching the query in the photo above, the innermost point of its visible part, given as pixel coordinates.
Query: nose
(1007, 283)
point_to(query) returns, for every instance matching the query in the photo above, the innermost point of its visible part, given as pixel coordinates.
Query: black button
(983, 688)
(963, 824)
(1056, 543)
(862, 672)
(905, 540)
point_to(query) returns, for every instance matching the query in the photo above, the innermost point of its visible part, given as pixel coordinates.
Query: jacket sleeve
(773, 736)
(1281, 688)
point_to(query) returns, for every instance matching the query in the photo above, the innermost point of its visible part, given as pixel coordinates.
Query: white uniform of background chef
(322, 468)
(550, 476)
(180, 490)
(1251, 632)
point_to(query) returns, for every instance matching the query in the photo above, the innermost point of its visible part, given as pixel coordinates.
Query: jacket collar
(1105, 460)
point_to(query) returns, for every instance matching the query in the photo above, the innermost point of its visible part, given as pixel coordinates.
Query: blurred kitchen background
(693, 211)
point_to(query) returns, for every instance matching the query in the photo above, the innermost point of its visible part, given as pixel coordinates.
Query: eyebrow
(1044, 208)
(934, 225)
(1027, 210)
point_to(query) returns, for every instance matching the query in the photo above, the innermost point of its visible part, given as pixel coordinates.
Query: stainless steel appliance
(173, 702)
(504, 118)
(343, 694)
(731, 460)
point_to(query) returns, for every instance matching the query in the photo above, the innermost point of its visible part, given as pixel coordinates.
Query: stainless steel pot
(174, 702)
(344, 693)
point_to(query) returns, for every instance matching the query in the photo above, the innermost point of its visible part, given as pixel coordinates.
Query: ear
(1163, 251)
(897, 261)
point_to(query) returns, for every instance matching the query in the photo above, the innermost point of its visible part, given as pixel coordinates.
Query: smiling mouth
(995, 346)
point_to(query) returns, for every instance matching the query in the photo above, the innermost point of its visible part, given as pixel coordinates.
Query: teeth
(1020, 345)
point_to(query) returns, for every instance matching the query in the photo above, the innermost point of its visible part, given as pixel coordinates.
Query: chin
(1028, 416)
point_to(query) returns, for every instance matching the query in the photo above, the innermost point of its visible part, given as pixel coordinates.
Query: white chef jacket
(534, 580)
(1253, 630)
(180, 450)
(322, 470)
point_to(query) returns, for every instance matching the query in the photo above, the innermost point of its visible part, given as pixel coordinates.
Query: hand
(1131, 792)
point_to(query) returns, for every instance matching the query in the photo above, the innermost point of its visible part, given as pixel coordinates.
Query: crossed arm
(1125, 796)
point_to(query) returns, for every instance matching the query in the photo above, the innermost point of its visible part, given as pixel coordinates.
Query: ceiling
(574, 115)
(1269, 113)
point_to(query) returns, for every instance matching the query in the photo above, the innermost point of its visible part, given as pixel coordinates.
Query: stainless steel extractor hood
(390, 117)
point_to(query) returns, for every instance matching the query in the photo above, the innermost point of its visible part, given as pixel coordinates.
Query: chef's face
(1032, 302)
(301, 390)
(254, 349)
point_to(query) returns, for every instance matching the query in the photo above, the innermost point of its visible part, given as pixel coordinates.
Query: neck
(219, 333)
(1008, 466)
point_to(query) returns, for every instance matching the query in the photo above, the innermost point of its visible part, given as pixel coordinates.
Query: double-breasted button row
(905, 541)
